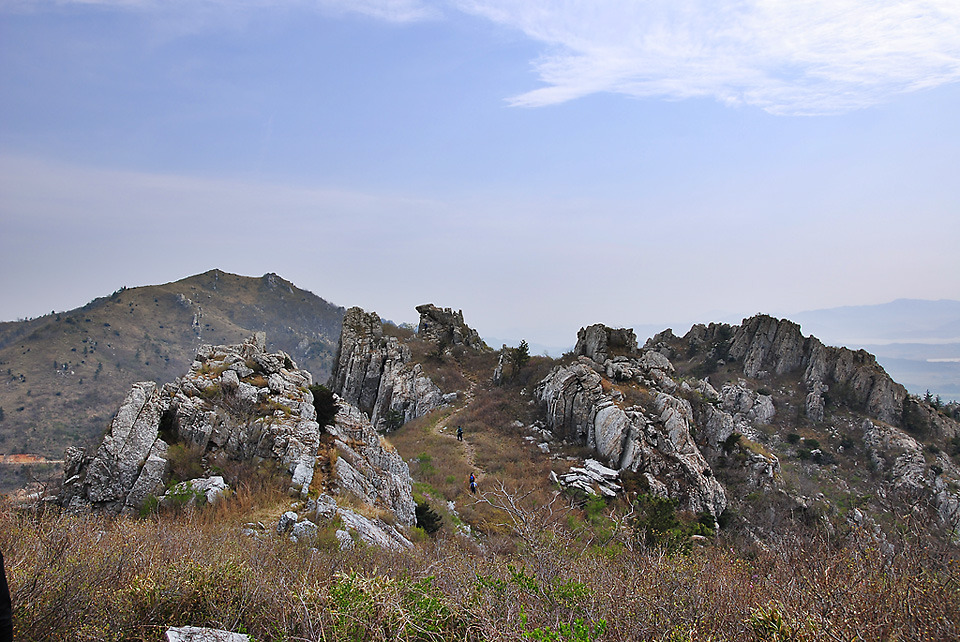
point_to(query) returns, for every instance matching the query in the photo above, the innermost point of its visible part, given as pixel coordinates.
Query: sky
(541, 165)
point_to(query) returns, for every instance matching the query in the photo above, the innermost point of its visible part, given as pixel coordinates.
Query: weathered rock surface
(195, 492)
(765, 346)
(902, 459)
(592, 478)
(238, 401)
(655, 441)
(443, 325)
(598, 342)
(373, 372)
(200, 634)
(369, 468)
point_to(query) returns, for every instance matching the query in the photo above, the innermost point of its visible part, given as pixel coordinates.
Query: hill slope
(62, 376)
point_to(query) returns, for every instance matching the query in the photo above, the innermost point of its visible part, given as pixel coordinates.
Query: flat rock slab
(198, 634)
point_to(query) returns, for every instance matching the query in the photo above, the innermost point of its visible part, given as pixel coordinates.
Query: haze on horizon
(539, 165)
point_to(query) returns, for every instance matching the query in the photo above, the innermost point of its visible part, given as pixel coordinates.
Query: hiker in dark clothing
(460, 433)
(6, 607)
(473, 484)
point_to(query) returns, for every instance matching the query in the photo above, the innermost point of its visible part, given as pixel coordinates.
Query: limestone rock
(444, 326)
(286, 521)
(373, 373)
(659, 447)
(236, 400)
(767, 345)
(198, 634)
(599, 343)
(196, 491)
(369, 468)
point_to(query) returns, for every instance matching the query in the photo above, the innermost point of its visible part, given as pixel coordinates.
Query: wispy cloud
(390, 10)
(784, 56)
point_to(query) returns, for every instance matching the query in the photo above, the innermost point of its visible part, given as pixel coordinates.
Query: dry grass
(88, 578)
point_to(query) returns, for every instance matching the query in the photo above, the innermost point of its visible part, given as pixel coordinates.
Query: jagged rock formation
(653, 439)
(237, 401)
(444, 326)
(902, 459)
(766, 346)
(369, 468)
(365, 468)
(373, 372)
(598, 342)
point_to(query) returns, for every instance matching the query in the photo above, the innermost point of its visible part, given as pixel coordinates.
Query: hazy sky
(541, 165)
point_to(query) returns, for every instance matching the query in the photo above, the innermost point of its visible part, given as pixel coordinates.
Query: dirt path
(447, 428)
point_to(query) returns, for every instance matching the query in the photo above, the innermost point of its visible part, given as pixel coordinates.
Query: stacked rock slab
(373, 372)
(237, 400)
(654, 441)
(444, 326)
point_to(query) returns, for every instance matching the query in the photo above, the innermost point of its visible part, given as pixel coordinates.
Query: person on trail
(473, 484)
(460, 433)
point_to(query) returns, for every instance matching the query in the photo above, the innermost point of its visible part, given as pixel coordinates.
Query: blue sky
(540, 165)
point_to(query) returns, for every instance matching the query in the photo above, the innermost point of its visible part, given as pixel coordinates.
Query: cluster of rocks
(367, 470)
(632, 411)
(444, 326)
(303, 526)
(238, 401)
(592, 478)
(373, 372)
(654, 439)
(765, 345)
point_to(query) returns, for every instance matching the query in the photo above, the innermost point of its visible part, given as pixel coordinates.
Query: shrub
(325, 404)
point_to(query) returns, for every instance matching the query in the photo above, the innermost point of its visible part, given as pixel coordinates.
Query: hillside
(64, 375)
(742, 482)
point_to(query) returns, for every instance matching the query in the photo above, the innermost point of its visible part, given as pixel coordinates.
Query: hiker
(460, 433)
(473, 484)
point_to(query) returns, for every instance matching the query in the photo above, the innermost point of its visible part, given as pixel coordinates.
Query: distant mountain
(62, 376)
(900, 321)
(916, 341)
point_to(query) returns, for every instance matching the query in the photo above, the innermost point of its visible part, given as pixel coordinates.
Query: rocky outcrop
(654, 441)
(444, 326)
(599, 343)
(373, 372)
(236, 401)
(767, 346)
(903, 460)
(368, 467)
